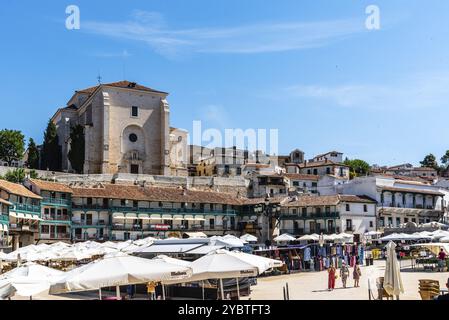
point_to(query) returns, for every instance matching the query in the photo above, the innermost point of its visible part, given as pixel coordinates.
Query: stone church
(126, 128)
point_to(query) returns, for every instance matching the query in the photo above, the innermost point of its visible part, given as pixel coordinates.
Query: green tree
(33, 174)
(430, 162)
(15, 176)
(33, 155)
(12, 145)
(77, 151)
(51, 152)
(445, 159)
(358, 167)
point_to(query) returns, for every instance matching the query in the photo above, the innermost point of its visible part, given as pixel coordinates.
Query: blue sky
(308, 68)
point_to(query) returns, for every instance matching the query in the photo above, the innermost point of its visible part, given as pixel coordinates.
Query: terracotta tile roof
(51, 186)
(253, 201)
(408, 190)
(423, 169)
(121, 84)
(138, 193)
(321, 164)
(299, 176)
(333, 200)
(17, 189)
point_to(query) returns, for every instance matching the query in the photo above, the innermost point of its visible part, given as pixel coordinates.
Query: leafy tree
(358, 167)
(12, 145)
(15, 176)
(33, 155)
(33, 174)
(430, 162)
(77, 151)
(445, 159)
(51, 152)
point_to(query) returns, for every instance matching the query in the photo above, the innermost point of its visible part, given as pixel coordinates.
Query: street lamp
(269, 210)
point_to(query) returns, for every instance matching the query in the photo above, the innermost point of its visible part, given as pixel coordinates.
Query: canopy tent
(228, 241)
(392, 279)
(168, 248)
(444, 239)
(203, 250)
(263, 264)
(433, 247)
(6, 289)
(284, 238)
(119, 270)
(373, 233)
(248, 238)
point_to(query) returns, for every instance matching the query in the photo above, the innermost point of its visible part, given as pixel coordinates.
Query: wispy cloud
(123, 54)
(151, 28)
(215, 116)
(425, 90)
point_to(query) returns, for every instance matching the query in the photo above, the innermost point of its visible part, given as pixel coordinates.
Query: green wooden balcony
(56, 202)
(26, 208)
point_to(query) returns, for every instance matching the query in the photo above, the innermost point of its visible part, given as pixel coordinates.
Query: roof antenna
(99, 78)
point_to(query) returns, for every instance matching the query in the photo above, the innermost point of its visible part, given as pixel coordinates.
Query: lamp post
(269, 210)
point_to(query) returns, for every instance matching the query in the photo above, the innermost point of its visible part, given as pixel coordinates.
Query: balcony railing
(99, 223)
(23, 228)
(27, 208)
(58, 236)
(64, 218)
(4, 218)
(321, 215)
(174, 211)
(56, 201)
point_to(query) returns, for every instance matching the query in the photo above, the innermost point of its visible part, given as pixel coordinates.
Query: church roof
(121, 84)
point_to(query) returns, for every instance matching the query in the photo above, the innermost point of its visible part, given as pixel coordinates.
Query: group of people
(344, 275)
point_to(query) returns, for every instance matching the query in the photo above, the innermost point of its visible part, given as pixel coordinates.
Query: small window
(348, 207)
(123, 202)
(135, 111)
(365, 208)
(371, 224)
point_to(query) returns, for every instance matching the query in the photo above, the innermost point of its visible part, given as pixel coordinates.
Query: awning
(5, 228)
(167, 217)
(178, 217)
(29, 216)
(155, 217)
(13, 214)
(199, 218)
(20, 216)
(144, 217)
(1, 227)
(189, 218)
(118, 216)
(35, 217)
(131, 216)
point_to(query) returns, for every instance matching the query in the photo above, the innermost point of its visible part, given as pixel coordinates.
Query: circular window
(133, 137)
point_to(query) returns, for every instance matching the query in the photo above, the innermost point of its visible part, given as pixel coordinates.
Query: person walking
(356, 275)
(441, 260)
(331, 277)
(344, 274)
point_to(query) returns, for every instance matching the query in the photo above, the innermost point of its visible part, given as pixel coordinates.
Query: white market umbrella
(248, 238)
(73, 254)
(30, 279)
(392, 279)
(444, 239)
(284, 237)
(6, 289)
(263, 264)
(177, 262)
(220, 264)
(227, 241)
(118, 270)
(309, 237)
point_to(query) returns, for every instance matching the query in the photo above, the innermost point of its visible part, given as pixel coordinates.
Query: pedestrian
(130, 290)
(441, 260)
(344, 274)
(357, 274)
(331, 277)
(151, 290)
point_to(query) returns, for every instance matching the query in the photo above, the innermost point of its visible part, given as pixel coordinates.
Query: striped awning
(118, 215)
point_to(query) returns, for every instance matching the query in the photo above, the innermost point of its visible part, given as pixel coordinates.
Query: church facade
(126, 129)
